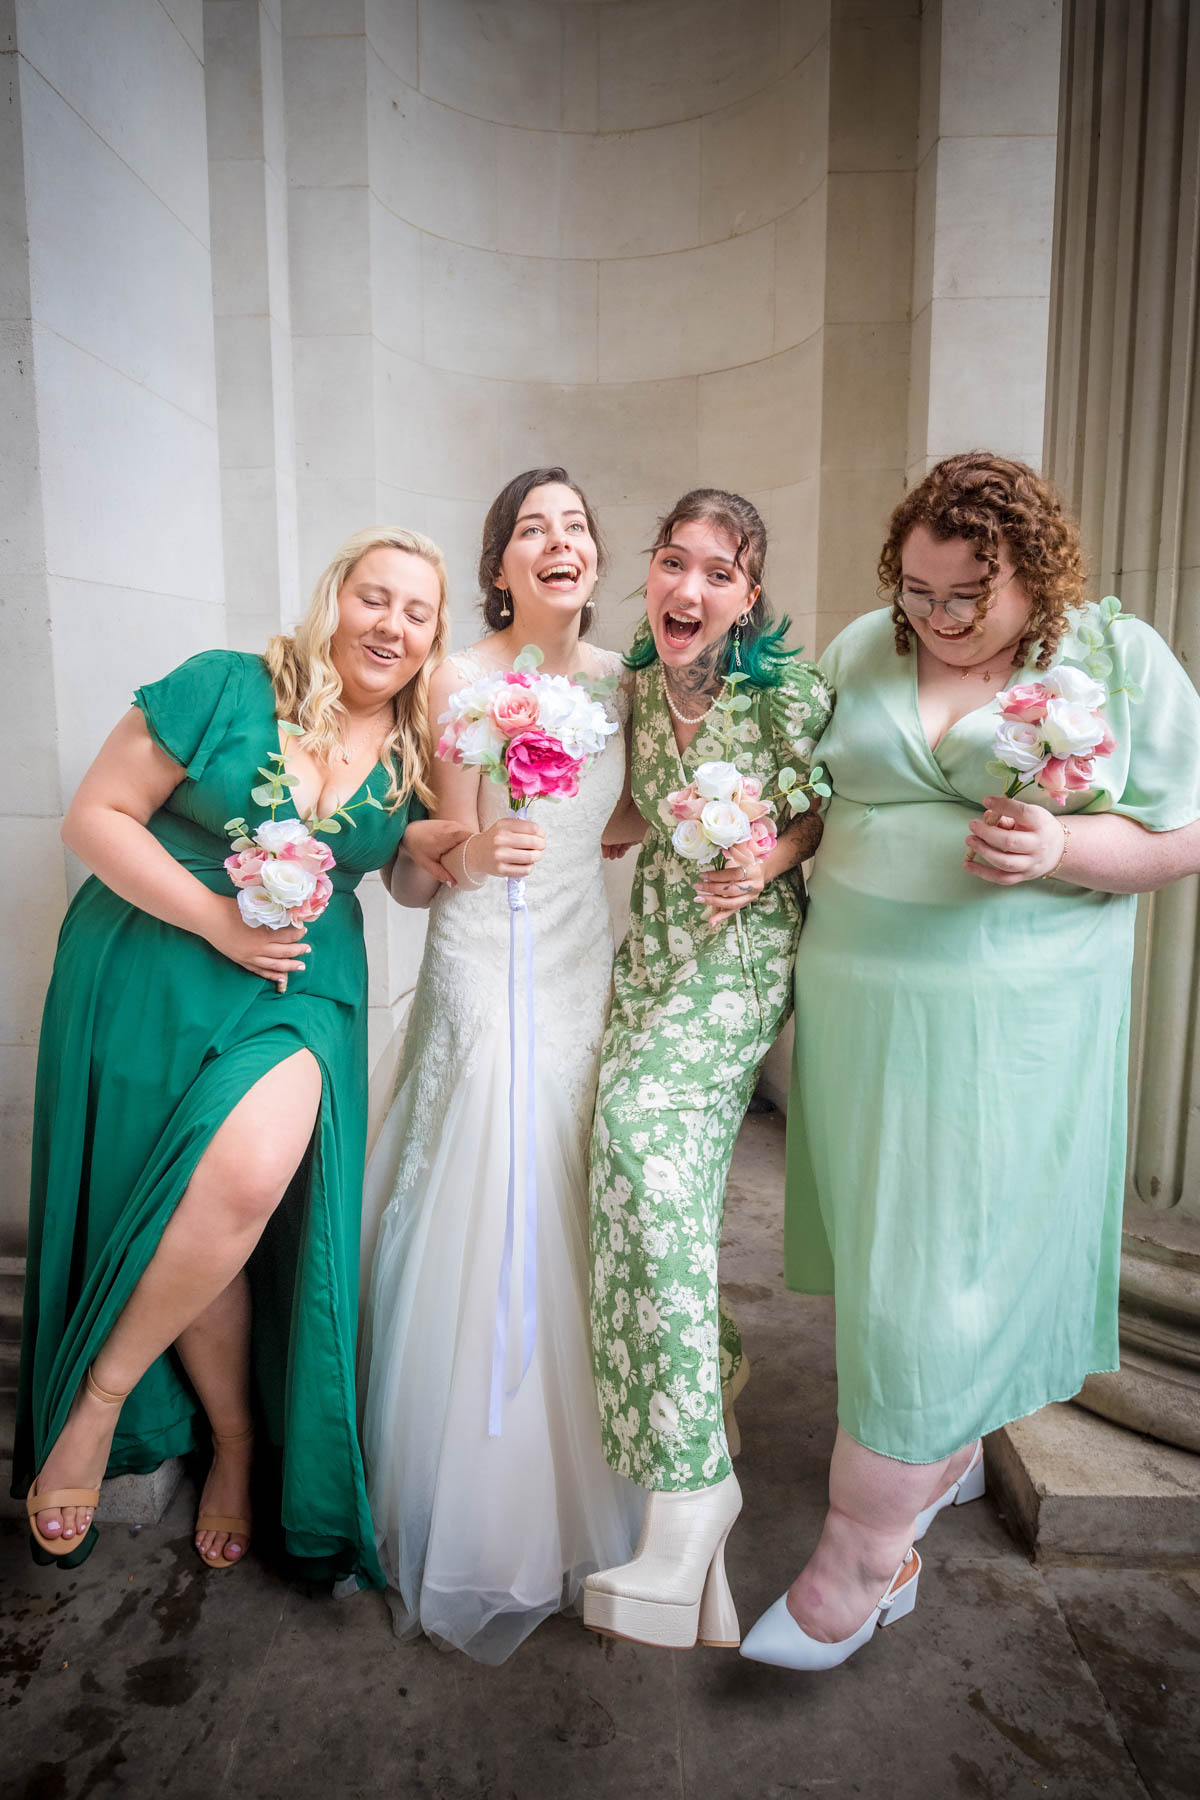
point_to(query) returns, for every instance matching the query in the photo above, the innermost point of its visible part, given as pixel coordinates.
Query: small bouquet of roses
(1051, 731)
(721, 807)
(532, 733)
(280, 871)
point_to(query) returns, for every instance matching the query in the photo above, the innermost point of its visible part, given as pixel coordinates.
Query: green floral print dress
(694, 1012)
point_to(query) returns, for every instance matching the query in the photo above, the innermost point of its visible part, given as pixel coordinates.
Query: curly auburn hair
(987, 498)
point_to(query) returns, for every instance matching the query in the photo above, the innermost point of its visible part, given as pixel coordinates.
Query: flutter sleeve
(799, 710)
(189, 711)
(1156, 779)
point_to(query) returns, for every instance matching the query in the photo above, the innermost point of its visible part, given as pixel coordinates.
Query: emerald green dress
(957, 1119)
(149, 1039)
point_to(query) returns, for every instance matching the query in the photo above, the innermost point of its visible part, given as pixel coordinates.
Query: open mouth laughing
(678, 630)
(562, 577)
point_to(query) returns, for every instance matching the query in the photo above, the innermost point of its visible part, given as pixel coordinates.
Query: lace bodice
(460, 1010)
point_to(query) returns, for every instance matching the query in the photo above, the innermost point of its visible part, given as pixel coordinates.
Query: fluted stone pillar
(1123, 440)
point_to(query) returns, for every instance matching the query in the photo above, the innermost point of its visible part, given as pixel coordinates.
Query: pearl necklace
(674, 710)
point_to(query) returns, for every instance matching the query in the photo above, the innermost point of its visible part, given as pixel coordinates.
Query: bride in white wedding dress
(482, 1537)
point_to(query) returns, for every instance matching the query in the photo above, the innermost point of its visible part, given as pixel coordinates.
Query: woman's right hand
(510, 847)
(272, 954)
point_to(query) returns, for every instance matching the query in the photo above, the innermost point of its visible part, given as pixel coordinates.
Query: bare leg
(873, 1505)
(238, 1183)
(215, 1351)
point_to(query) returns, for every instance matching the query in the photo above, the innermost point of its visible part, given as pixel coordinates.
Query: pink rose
(1065, 774)
(516, 679)
(1026, 702)
(685, 803)
(245, 867)
(447, 746)
(514, 709)
(751, 788)
(310, 853)
(1107, 744)
(537, 764)
(315, 905)
(762, 837)
(755, 808)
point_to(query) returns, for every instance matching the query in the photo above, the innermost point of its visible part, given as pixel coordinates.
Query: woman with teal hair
(702, 986)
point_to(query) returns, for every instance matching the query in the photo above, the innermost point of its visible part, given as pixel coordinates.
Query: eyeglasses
(960, 609)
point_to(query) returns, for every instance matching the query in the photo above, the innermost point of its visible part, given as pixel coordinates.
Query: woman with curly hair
(956, 1130)
(200, 1115)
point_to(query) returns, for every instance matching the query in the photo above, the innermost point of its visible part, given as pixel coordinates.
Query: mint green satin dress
(149, 1039)
(957, 1119)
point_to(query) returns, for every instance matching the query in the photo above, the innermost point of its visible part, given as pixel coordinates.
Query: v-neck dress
(957, 1119)
(149, 1039)
(694, 1012)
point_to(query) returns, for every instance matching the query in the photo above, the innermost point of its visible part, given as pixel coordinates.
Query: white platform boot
(674, 1593)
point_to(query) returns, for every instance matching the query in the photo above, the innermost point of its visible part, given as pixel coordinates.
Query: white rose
(690, 840)
(479, 742)
(717, 781)
(1019, 745)
(273, 834)
(1070, 730)
(1076, 686)
(725, 823)
(287, 882)
(257, 908)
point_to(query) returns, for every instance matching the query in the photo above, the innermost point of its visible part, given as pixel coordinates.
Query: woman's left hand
(427, 841)
(1013, 842)
(725, 891)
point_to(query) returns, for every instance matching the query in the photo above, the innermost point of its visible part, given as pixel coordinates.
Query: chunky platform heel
(674, 1592)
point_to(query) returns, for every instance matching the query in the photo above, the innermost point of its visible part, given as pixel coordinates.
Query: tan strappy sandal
(218, 1522)
(59, 1548)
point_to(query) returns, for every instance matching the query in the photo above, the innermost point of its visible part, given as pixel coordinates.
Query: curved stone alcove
(557, 232)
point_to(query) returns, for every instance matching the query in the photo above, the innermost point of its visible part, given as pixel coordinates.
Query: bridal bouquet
(533, 733)
(1050, 731)
(721, 807)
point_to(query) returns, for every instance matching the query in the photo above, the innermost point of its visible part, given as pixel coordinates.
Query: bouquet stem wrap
(517, 906)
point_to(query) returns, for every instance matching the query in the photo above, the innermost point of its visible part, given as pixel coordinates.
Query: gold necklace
(674, 710)
(345, 752)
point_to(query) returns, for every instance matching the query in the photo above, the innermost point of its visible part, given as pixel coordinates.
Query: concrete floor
(142, 1674)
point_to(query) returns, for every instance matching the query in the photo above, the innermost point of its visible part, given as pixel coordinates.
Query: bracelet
(1058, 865)
(467, 875)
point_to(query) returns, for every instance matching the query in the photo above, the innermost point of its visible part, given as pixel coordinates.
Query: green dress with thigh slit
(149, 1039)
(956, 1127)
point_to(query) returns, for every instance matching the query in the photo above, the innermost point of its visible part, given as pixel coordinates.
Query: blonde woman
(200, 1111)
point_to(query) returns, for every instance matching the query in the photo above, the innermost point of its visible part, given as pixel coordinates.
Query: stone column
(1122, 436)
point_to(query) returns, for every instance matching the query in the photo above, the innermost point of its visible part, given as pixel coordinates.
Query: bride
(481, 1537)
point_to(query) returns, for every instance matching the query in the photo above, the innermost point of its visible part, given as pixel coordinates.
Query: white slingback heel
(969, 1486)
(778, 1640)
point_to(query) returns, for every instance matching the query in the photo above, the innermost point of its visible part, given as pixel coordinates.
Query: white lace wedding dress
(482, 1537)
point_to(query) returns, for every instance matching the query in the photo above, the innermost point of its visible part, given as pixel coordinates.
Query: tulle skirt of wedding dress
(481, 1538)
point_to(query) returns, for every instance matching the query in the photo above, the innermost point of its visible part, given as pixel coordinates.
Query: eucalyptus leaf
(370, 800)
(1000, 769)
(1134, 691)
(740, 703)
(271, 774)
(343, 814)
(263, 796)
(822, 788)
(1110, 607)
(233, 824)
(787, 779)
(289, 781)
(242, 843)
(799, 801)
(290, 730)
(1099, 664)
(329, 825)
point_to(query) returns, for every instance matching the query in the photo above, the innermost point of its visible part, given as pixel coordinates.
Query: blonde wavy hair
(308, 687)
